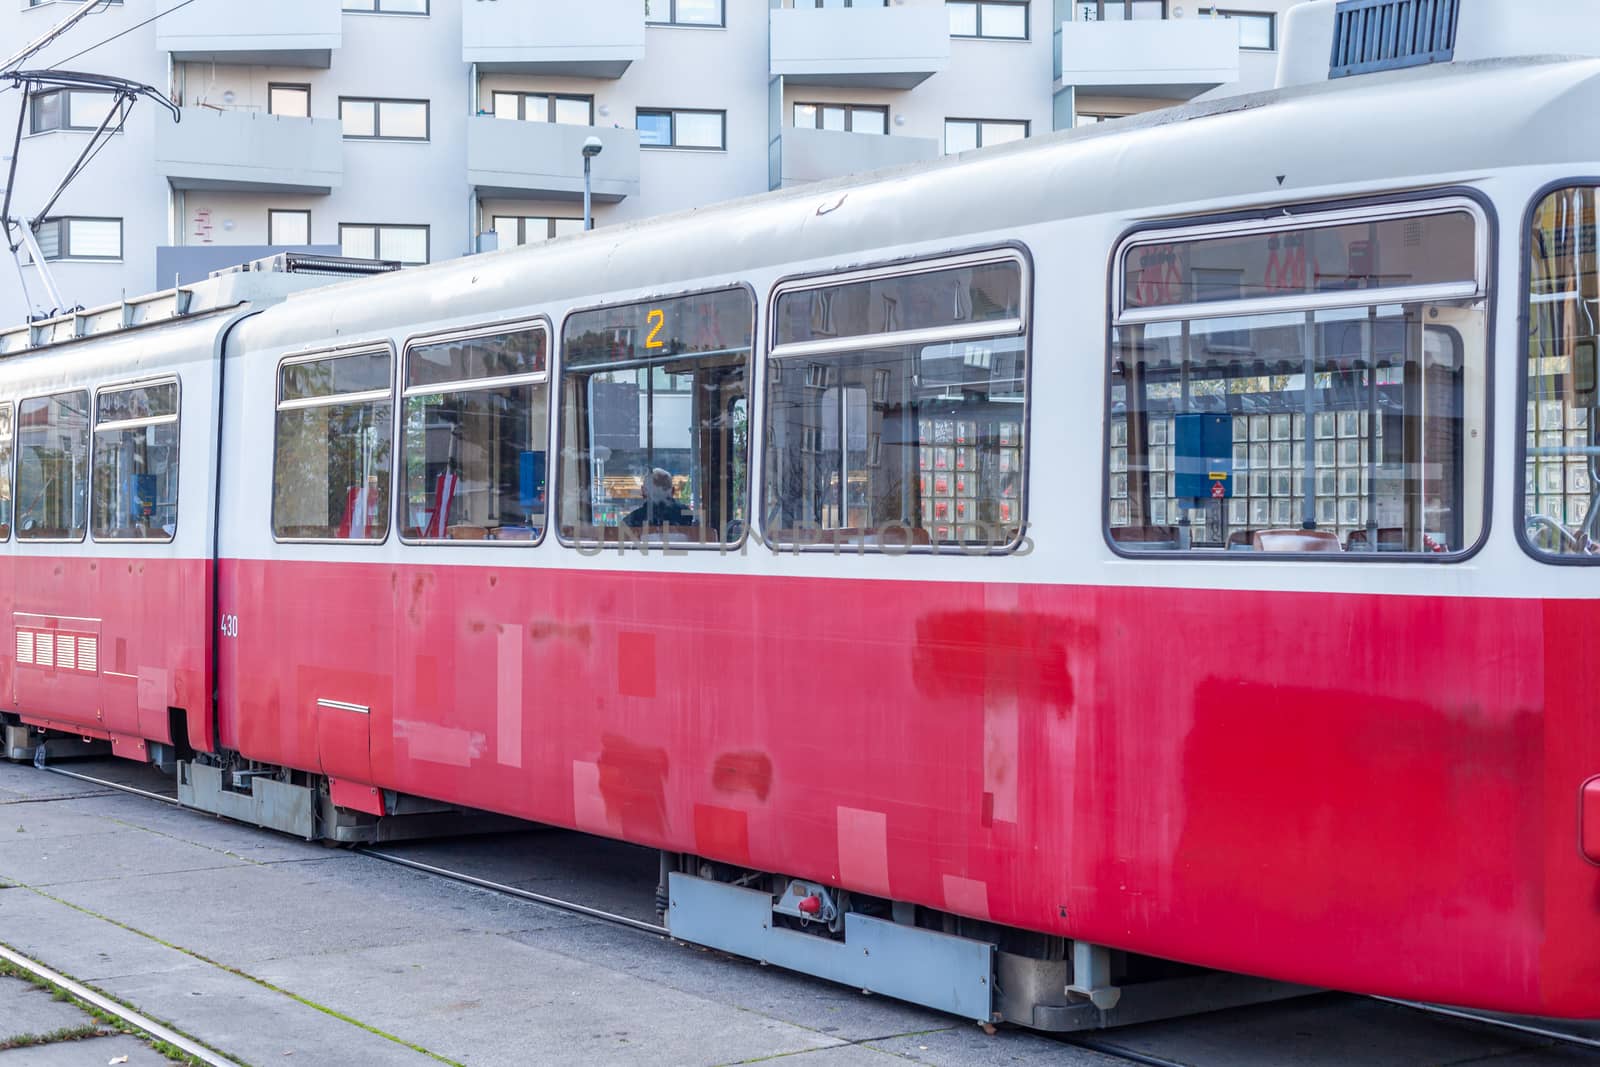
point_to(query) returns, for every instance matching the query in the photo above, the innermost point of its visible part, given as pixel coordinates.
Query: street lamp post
(591, 148)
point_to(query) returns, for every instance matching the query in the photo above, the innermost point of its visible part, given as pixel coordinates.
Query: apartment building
(420, 130)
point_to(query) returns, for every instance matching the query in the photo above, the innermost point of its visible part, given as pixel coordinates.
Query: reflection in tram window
(136, 463)
(332, 462)
(53, 467)
(1561, 467)
(5, 471)
(655, 442)
(1344, 414)
(897, 410)
(474, 438)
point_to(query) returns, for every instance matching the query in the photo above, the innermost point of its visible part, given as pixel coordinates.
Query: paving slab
(968, 1046)
(253, 1023)
(454, 995)
(113, 854)
(245, 913)
(27, 1009)
(90, 1052)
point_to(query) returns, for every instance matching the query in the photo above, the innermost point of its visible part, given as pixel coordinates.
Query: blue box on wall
(1203, 456)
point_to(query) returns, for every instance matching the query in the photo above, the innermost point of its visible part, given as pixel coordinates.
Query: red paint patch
(722, 834)
(1020, 654)
(743, 772)
(633, 784)
(636, 664)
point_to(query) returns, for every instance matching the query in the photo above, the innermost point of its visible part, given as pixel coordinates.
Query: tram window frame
(1525, 403)
(370, 396)
(1478, 298)
(175, 419)
(579, 535)
(1014, 252)
(82, 532)
(487, 384)
(8, 451)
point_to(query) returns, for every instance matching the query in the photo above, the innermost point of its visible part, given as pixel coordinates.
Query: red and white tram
(1164, 542)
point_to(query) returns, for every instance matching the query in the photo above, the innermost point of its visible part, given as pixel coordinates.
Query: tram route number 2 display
(230, 626)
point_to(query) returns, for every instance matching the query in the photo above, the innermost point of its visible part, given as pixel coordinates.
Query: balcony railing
(814, 155)
(593, 39)
(860, 47)
(282, 33)
(510, 159)
(1169, 59)
(250, 152)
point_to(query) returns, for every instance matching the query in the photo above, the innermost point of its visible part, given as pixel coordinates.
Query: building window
(1561, 432)
(1005, 20)
(682, 129)
(656, 435)
(69, 238)
(71, 109)
(897, 409)
(5, 470)
(384, 120)
(333, 450)
(1092, 118)
(290, 101)
(1258, 31)
(53, 467)
(545, 107)
(808, 5)
(1120, 10)
(963, 135)
(684, 12)
(136, 463)
(402, 244)
(388, 7)
(1336, 407)
(853, 118)
(515, 230)
(288, 227)
(474, 438)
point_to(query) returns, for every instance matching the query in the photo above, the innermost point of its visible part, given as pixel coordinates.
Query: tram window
(5, 470)
(1561, 442)
(332, 461)
(1349, 409)
(53, 467)
(654, 438)
(473, 438)
(136, 463)
(898, 409)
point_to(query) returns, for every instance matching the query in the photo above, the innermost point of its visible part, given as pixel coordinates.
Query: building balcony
(283, 33)
(1163, 59)
(860, 47)
(508, 159)
(250, 152)
(815, 155)
(594, 39)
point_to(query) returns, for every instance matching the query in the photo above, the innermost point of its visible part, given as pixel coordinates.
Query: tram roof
(1404, 129)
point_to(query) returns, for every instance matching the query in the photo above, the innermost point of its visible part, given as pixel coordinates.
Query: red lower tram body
(1302, 785)
(1375, 793)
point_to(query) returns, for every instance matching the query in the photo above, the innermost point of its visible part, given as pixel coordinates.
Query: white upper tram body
(1485, 134)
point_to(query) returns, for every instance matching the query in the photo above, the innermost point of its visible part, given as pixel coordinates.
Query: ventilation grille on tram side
(24, 646)
(1374, 35)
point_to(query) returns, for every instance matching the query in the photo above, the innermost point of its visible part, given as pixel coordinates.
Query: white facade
(245, 151)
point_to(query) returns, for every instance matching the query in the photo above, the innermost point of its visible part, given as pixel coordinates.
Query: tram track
(1091, 1042)
(116, 1009)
